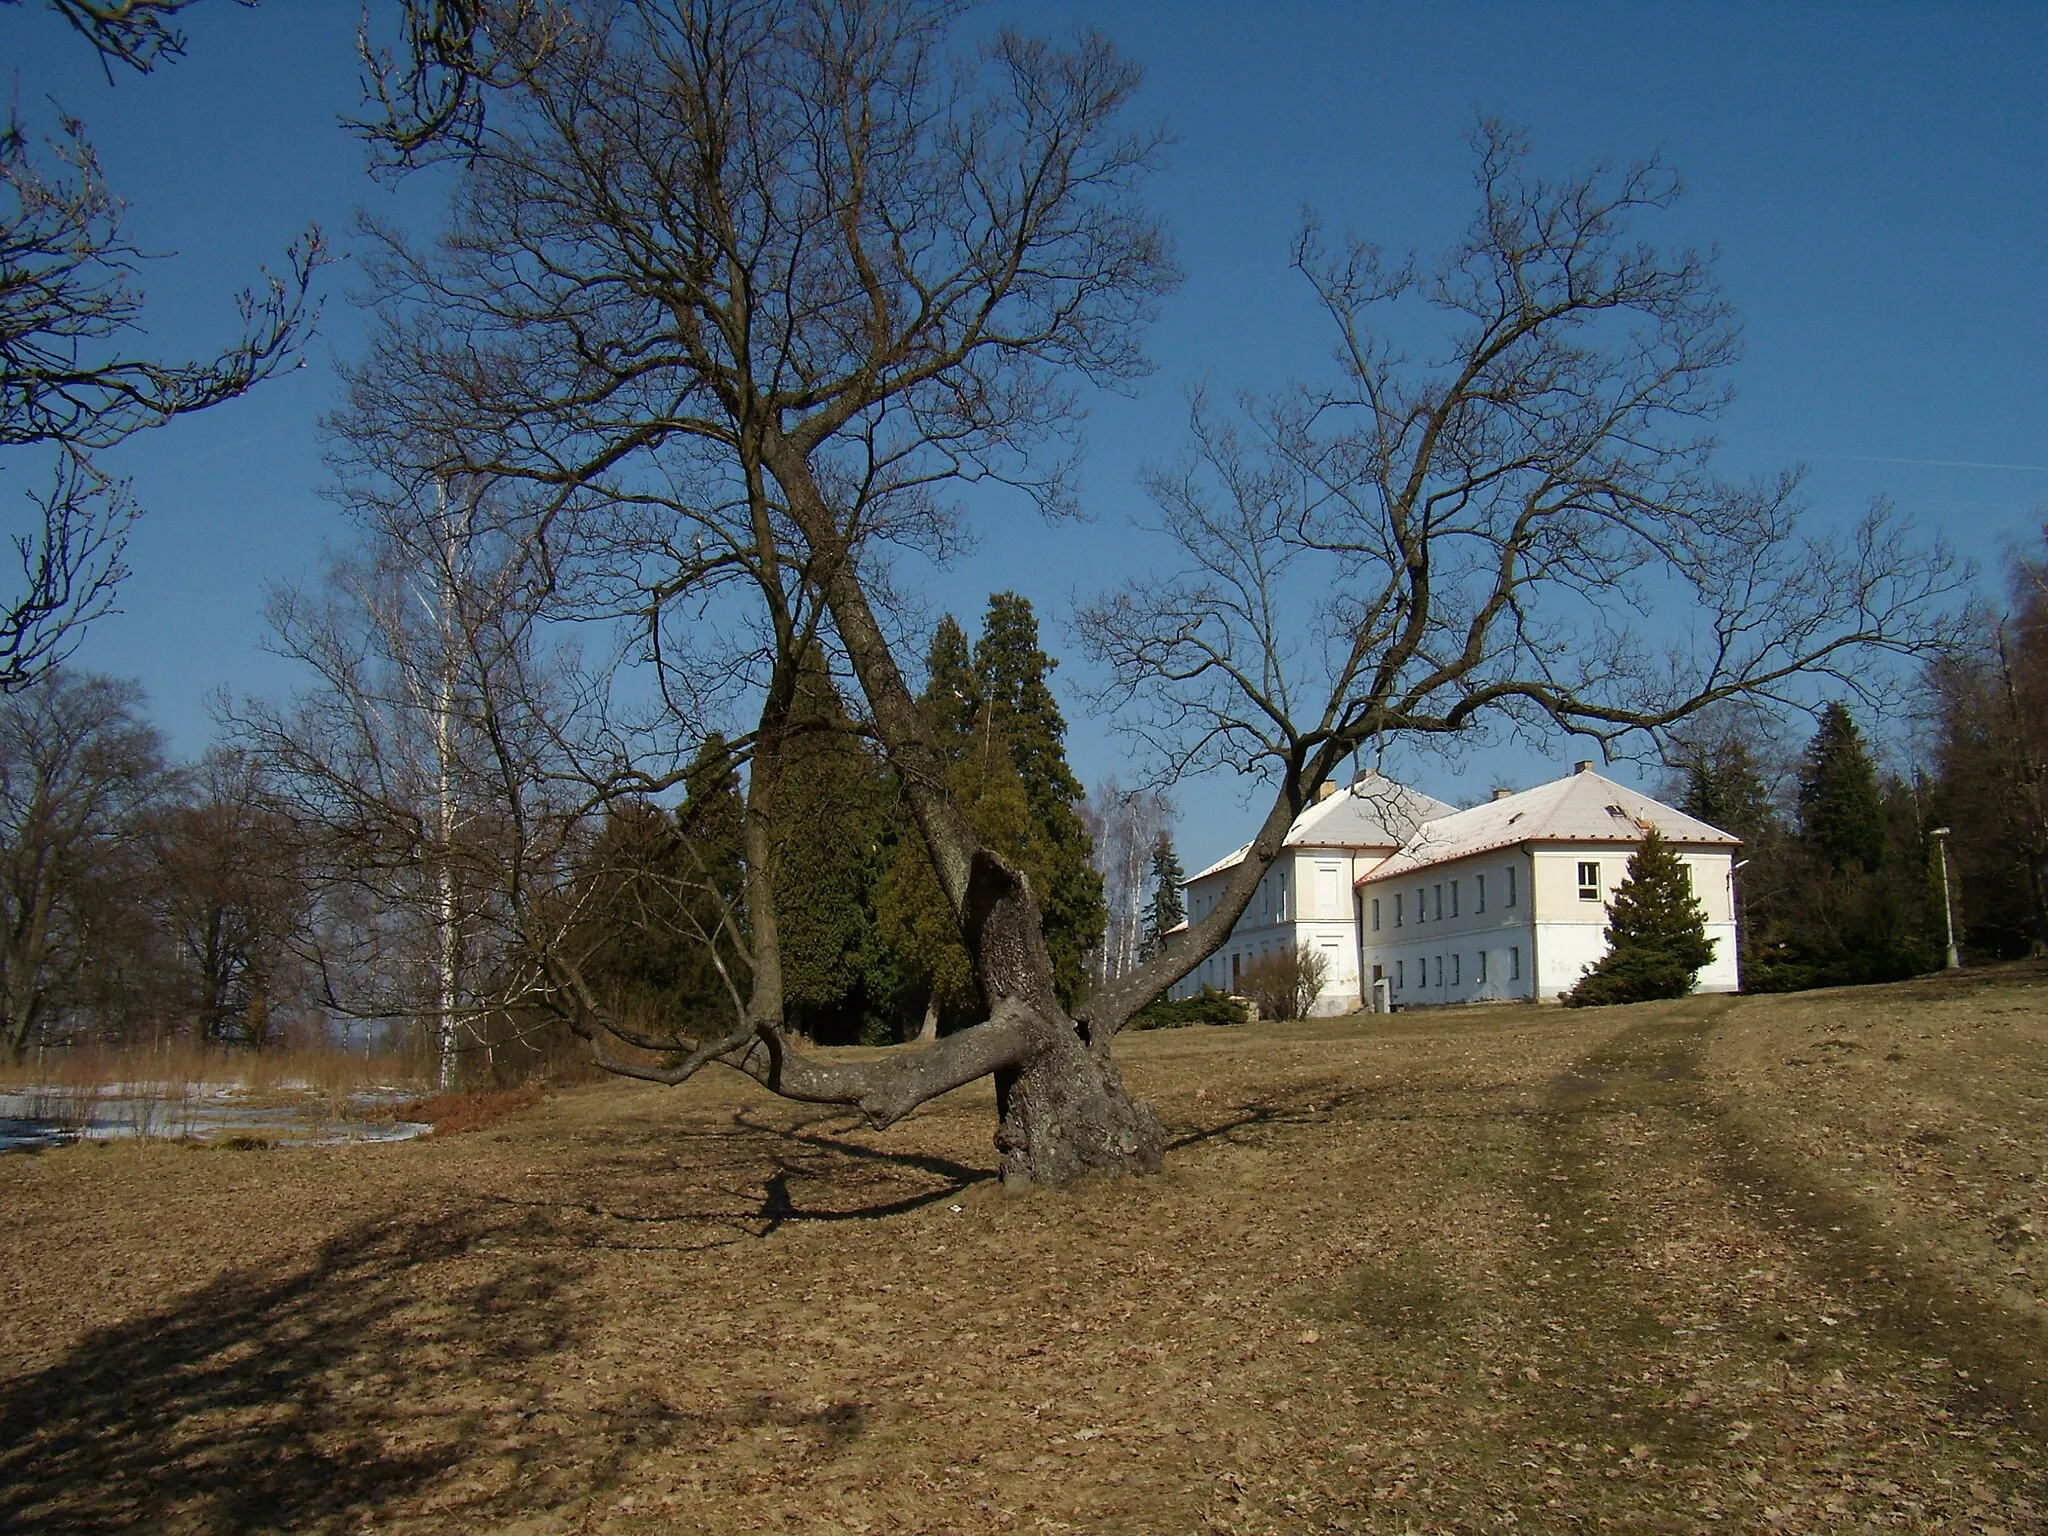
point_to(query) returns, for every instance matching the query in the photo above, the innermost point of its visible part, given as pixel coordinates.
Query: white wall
(1468, 933)
(1540, 946)
(1304, 899)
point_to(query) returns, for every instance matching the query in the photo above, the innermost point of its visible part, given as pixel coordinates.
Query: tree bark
(1065, 1114)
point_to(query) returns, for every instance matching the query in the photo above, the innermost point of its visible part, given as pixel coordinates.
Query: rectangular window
(1422, 903)
(1400, 975)
(1397, 909)
(1280, 902)
(1511, 885)
(1479, 903)
(1456, 979)
(1515, 962)
(1375, 914)
(1482, 968)
(1454, 898)
(1439, 903)
(1236, 961)
(1329, 891)
(1589, 881)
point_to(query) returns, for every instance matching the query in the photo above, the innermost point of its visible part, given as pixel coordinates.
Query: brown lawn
(1757, 1264)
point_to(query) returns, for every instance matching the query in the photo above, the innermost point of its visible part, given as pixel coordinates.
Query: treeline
(1842, 876)
(868, 949)
(248, 898)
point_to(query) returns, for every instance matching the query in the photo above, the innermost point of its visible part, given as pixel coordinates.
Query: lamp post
(1948, 907)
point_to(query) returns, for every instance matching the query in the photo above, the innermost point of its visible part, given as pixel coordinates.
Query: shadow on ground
(273, 1399)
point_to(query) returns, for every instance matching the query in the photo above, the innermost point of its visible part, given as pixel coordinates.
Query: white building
(1307, 898)
(1504, 900)
(1509, 899)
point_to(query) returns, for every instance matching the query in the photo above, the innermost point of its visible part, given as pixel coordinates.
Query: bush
(1286, 984)
(1208, 1006)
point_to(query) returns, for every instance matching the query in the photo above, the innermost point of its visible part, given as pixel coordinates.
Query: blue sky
(1871, 175)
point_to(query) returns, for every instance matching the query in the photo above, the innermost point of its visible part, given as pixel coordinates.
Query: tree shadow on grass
(299, 1397)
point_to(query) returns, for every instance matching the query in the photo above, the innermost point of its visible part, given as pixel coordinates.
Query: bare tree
(735, 292)
(1422, 545)
(1286, 983)
(68, 388)
(232, 902)
(753, 283)
(1126, 826)
(77, 771)
(423, 762)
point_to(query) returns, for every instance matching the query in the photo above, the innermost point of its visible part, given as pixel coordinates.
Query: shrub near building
(1656, 933)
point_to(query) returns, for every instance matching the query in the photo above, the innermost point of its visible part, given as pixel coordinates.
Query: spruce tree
(655, 893)
(1841, 810)
(832, 822)
(1656, 933)
(952, 696)
(1024, 717)
(1167, 910)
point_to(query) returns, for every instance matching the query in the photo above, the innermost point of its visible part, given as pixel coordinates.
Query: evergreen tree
(655, 895)
(1724, 786)
(1023, 716)
(1656, 933)
(1168, 910)
(1841, 810)
(952, 696)
(833, 827)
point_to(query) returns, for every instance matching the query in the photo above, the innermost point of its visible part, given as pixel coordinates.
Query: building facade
(1505, 900)
(1308, 898)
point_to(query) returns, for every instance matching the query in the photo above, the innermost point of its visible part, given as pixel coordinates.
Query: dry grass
(1670, 1268)
(451, 1114)
(157, 1084)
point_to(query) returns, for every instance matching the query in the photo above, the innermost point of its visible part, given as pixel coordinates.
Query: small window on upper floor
(1375, 914)
(1511, 885)
(1479, 893)
(1589, 880)
(1397, 909)
(1439, 890)
(1454, 898)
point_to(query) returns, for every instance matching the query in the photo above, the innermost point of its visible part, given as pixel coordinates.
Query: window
(1235, 962)
(1589, 881)
(1400, 975)
(1329, 891)
(1375, 914)
(1439, 902)
(1422, 903)
(1397, 909)
(1515, 962)
(1479, 895)
(1482, 968)
(1439, 970)
(1280, 899)
(1456, 979)
(1511, 885)
(1454, 898)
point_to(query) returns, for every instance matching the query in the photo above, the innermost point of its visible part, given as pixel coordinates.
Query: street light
(1948, 907)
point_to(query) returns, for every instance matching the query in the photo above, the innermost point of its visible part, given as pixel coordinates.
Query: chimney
(1501, 792)
(1584, 765)
(1325, 789)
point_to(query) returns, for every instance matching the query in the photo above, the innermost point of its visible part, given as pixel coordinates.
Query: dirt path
(1659, 1269)
(1764, 1334)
